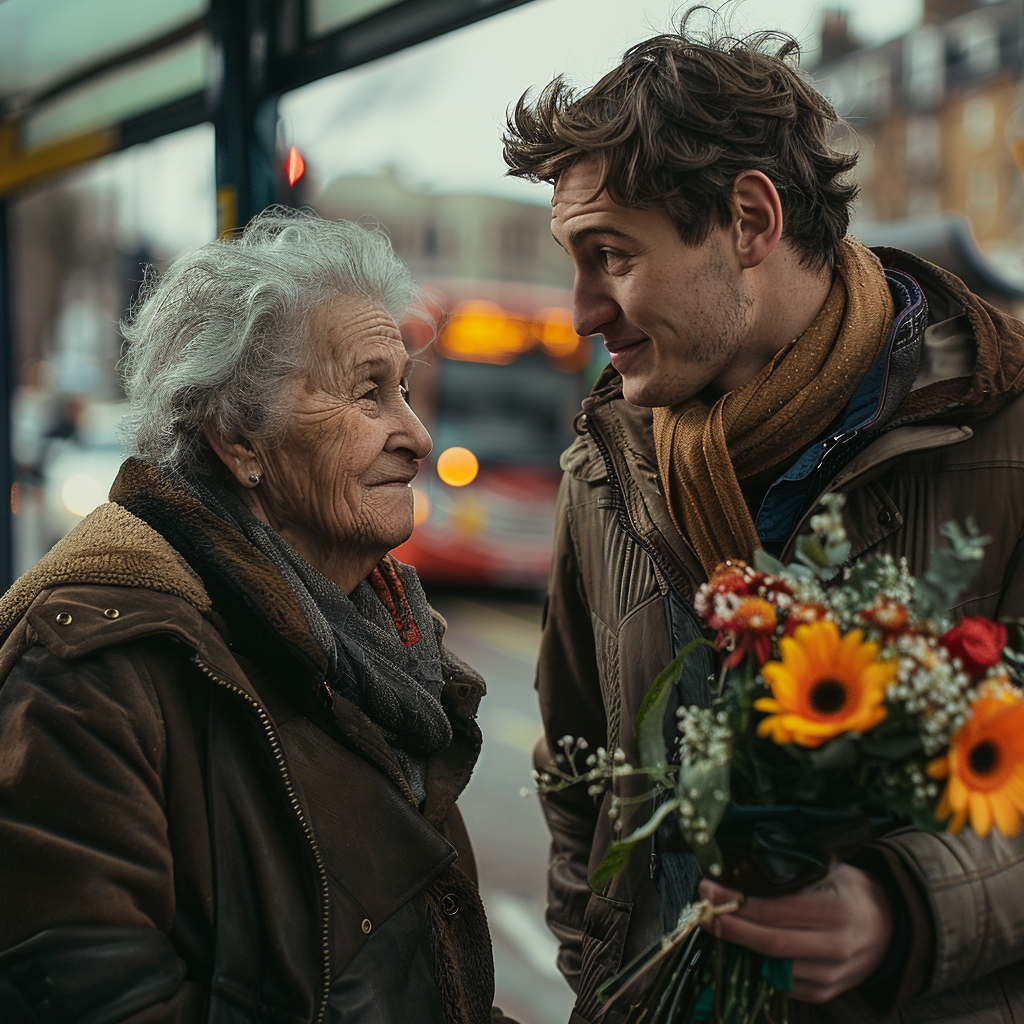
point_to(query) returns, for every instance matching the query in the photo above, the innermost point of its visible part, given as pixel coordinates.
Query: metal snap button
(450, 904)
(366, 926)
(884, 516)
(64, 618)
(112, 613)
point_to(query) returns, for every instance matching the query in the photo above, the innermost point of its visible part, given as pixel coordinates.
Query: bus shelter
(82, 79)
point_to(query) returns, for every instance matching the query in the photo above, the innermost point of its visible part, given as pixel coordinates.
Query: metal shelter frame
(261, 50)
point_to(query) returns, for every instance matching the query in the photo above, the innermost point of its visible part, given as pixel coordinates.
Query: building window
(979, 122)
(924, 140)
(924, 67)
(979, 46)
(982, 194)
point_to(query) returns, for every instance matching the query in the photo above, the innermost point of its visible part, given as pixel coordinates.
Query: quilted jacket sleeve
(571, 704)
(86, 893)
(973, 886)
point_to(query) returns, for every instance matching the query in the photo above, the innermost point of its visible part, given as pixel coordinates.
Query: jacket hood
(110, 547)
(998, 375)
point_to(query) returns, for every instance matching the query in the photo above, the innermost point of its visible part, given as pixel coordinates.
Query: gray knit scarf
(398, 687)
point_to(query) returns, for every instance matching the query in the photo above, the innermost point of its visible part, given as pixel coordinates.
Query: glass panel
(329, 15)
(169, 75)
(42, 41)
(78, 248)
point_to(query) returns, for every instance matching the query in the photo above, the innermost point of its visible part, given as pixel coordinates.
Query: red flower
(803, 614)
(978, 643)
(733, 577)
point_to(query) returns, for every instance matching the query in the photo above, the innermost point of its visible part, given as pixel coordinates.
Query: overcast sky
(435, 112)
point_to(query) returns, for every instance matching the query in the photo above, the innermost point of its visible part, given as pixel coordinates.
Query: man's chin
(651, 394)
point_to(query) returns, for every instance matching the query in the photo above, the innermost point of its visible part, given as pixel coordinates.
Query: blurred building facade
(937, 115)
(474, 237)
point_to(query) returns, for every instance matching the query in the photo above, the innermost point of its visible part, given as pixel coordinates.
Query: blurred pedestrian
(760, 358)
(231, 737)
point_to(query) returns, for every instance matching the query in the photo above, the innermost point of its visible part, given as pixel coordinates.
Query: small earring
(254, 478)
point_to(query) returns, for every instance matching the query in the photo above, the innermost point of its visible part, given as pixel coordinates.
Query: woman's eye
(372, 394)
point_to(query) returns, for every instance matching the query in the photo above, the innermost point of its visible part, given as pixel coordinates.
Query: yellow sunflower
(985, 767)
(825, 685)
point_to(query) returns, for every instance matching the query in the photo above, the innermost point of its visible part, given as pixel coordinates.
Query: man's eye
(372, 394)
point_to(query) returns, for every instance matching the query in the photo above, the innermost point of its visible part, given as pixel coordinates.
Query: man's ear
(238, 457)
(757, 217)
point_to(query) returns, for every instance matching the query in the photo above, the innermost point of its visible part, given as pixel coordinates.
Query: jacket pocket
(604, 938)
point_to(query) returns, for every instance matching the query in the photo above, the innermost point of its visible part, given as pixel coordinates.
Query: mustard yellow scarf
(704, 451)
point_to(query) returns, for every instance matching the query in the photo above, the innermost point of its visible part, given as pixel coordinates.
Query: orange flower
(825, 685)
(888, 615)
(985, 767)
(751, 627)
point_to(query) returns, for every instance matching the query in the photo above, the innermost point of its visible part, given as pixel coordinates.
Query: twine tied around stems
(696, 915)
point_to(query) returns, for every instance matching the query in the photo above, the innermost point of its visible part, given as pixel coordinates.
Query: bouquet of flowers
(848, 702)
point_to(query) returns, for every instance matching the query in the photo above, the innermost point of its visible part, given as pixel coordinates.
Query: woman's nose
(412, 436)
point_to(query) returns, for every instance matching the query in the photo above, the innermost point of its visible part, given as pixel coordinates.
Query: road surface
(499, 638)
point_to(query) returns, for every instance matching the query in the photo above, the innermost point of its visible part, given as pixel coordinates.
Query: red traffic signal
(295, 166)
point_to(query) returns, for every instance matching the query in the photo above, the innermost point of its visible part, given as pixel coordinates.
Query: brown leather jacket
(192, 827)
(608, 631)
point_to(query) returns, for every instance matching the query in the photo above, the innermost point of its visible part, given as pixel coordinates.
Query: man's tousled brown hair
(677, 121)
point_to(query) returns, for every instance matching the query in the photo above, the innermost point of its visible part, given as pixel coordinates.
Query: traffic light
(290, 181)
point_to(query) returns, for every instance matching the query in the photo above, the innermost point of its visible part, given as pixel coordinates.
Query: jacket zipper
(622, 514)
(275, 746)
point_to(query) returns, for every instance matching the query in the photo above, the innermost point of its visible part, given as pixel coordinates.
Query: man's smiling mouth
(623, 353)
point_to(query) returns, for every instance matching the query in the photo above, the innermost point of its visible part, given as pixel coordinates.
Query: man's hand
(836, 931)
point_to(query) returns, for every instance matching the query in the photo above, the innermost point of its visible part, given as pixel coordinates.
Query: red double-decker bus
(498, 388)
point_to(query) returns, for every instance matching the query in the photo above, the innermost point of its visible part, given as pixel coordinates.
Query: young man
(760, 358)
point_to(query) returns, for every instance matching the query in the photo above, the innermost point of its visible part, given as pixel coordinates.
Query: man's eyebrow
(579, 234)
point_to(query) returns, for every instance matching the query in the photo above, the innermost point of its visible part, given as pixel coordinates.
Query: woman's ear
(238, 457)
(757, 217)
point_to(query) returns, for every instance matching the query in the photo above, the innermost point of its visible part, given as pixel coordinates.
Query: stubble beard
(713, 342)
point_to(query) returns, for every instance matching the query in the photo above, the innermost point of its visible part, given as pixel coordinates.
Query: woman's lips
(624, 357)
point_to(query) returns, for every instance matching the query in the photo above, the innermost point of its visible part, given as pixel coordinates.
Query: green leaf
(950, 569)
(836, 755)
(763, 562)
(649, 726)
(706, 787)
(890, 748)
(617, 855)
(813, 553)
(921, 817)
(614, 860)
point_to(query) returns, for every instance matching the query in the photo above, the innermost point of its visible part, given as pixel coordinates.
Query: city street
(499, 638)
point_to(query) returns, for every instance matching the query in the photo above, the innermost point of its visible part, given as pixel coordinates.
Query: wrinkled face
(674, 316)
(338, 486)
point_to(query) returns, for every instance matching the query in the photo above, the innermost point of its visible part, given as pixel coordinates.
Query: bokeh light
(457, 466)
(82, 493)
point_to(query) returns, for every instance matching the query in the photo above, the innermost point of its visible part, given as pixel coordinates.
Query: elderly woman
(231, 738)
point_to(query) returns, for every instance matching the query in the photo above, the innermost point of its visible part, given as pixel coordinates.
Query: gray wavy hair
(215, 340)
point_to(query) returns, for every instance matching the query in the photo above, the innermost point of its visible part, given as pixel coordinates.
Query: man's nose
(593, 309)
